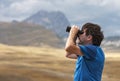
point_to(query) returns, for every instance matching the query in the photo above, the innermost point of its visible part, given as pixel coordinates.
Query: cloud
(75, 9)
(22, 8)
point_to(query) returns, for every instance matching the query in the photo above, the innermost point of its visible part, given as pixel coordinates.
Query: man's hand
(74, 30)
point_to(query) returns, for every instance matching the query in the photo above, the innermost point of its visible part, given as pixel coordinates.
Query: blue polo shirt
(89, 67)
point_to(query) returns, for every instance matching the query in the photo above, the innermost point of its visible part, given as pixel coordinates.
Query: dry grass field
(19, 63)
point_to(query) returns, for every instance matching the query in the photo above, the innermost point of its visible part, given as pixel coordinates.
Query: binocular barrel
(69, 28)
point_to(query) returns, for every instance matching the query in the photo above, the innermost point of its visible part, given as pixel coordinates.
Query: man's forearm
(71, 46)
(71, 39)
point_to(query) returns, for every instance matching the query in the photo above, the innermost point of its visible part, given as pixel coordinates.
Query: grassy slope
(45, 64)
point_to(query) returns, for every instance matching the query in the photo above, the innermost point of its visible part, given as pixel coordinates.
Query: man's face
(83, 38)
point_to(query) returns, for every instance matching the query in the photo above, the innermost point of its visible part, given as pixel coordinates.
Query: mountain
(25, 34)
(54, 20)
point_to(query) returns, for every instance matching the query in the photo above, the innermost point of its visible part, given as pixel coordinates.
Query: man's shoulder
(89, 46)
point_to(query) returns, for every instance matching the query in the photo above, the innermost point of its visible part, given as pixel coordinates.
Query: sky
(104, 12)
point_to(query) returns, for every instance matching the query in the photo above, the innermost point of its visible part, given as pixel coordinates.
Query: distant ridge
(111, 43)
(54, 20)
(27, 35)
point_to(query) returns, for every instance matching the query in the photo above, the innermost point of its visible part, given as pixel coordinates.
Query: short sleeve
(89, 51)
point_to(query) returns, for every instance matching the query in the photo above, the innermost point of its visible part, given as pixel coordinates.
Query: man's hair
(95, 31)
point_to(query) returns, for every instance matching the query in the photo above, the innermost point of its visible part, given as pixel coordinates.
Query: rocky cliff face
(55, 21)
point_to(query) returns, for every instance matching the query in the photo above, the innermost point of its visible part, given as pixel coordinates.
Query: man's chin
(80, 43)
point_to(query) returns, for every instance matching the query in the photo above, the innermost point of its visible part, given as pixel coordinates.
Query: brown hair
(95, 31)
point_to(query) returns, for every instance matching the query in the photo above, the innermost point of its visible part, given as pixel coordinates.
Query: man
(89, 55)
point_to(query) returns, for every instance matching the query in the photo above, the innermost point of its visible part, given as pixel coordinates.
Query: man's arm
(71, 46)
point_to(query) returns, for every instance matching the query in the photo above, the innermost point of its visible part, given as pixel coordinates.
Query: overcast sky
(75, 10)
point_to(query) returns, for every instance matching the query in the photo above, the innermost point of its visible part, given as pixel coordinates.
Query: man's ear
(89, 37)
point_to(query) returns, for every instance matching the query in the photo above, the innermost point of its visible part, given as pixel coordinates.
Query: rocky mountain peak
(55, 21)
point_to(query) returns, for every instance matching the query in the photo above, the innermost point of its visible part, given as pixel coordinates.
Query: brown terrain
(18, 63)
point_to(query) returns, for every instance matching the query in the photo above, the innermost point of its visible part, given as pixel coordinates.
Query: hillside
(27, 35)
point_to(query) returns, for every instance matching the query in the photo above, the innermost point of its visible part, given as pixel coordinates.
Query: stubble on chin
(79, 42)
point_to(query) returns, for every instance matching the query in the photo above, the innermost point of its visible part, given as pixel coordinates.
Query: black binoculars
(69, 28)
